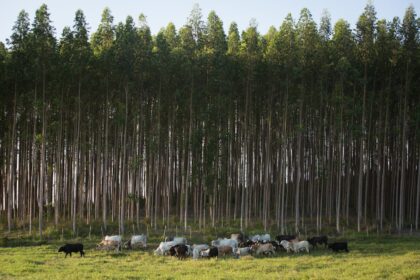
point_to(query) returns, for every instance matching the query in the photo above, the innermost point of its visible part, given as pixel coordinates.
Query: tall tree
(45, 45)
(365, 35)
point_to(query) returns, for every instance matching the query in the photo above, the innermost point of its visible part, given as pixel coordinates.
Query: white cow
(137, 240)
(190, 250)
(164, 247)
(114, 238)
(225, 242)
(110, 242)
(301, 246)
(255, 238)
(197, 249)
(265, 237)
(287, 245)
(180, 240)
(261, 238)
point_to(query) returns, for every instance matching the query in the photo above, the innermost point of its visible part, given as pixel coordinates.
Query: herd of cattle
(237, 245)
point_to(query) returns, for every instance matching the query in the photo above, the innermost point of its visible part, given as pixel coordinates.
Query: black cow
(280, 238)
(323, 239)
(172, 251)
(180, 251)
(210, 252)
(72, 248)
(338, 246)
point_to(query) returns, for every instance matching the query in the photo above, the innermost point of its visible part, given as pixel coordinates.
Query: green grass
(369, 258)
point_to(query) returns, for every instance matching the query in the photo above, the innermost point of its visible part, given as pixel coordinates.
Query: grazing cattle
(243, 251)
(225, 250)
(240, 237)
(164, 247)
(172, 251)
(197, 250)
(136, 241)
(266, 249)
(338, 246)
(180, 251)
(210, 252)
(225, 242)
(287, 245)
(300, 246)
(280, 238)
(72, 248)
(110, 242)
(323, 239)
(115, 238)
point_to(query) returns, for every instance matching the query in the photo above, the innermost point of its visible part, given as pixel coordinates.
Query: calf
(210, 252)
(72, 248)
(338, 246)
(323, 239)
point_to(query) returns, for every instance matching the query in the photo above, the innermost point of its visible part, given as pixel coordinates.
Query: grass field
(369, 258)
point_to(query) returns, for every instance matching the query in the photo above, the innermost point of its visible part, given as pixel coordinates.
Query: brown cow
(225, 250)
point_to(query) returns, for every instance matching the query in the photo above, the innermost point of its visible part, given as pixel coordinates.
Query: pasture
(372, 257)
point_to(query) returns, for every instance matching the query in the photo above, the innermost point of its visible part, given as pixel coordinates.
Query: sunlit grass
(369, 258)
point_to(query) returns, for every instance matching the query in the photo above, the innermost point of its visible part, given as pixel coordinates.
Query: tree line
(309, 125)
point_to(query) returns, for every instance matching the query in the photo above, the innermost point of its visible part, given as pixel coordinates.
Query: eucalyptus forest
(310, 125)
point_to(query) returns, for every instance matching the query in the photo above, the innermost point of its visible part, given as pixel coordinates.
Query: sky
(159, 12)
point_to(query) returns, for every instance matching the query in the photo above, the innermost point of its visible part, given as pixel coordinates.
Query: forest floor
(374, 257)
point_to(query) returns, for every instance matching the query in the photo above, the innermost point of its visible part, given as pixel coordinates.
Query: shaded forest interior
(309, 125)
